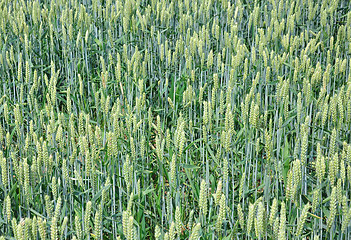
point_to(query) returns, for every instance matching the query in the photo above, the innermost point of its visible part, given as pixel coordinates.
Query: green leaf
(189, 166)
(98, 42)
(147, 191)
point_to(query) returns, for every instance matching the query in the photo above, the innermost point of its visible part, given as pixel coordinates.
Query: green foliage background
(201, 119)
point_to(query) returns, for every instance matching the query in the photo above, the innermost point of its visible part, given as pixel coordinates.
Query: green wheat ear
(221, 214)
(273, 211)
(218, 193)
(282, 226)
(195, 234)
(333, 206)
(203, 198)
(302, 219)
(250, 218)
(157, 232)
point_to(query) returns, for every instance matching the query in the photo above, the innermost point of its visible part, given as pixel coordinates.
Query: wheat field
(194, 119)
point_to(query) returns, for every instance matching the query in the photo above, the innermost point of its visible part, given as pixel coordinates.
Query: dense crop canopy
(201, 119)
